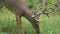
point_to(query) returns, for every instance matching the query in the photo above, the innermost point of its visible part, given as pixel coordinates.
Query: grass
(51, 26)
(8, 24)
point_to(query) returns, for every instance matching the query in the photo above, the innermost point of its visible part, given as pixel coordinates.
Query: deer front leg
(18, 19)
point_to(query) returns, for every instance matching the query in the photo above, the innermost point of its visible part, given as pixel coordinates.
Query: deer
(19, 8)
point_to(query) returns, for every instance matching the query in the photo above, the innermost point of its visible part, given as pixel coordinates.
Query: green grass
(51, 26)
(47, 26)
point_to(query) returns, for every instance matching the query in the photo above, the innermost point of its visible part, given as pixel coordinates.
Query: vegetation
(8, 23)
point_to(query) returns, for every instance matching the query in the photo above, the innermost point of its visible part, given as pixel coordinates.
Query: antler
(41, 13)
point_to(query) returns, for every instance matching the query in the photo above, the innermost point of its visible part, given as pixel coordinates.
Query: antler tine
(43, 12)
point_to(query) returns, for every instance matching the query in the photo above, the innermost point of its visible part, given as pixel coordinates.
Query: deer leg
(18, 18)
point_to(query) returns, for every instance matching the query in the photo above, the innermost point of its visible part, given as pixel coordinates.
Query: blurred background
(47, 25)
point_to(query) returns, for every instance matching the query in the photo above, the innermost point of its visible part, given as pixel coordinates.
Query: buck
(19, 8)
